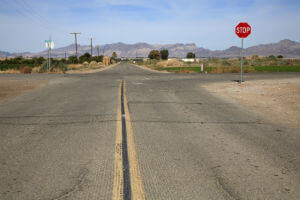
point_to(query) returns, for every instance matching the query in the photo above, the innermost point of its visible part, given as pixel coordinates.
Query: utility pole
(75, 34)
(91, 47)
(98, 50)
(103, 50)
(65, 55)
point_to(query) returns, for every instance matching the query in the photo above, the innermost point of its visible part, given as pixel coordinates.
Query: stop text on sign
(243, 30)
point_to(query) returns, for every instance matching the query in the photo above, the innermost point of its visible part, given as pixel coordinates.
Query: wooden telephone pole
(75, 34)
(98, 50)
(91, 47)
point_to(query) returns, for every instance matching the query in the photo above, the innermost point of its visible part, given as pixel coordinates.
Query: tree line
(164, 54)
(19, 62)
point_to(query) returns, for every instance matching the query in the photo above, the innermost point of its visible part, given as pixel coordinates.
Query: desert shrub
(56, 66)
(43, 68)
(25, 70)
(72, 60)
(97, 58)
(272, 57)
(35, 70)
(225, 63)
(63, 60)
(85, 58)
(85, 63)
(93, 64)
(61, 67)
(151, 62)
(280, 56)
(114, 55)
(74, 66)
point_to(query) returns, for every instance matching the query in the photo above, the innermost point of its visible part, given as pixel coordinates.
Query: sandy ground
(10, 88)
(277, 101)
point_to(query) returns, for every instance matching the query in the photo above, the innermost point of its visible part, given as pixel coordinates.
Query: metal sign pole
(241, 78)
(50, 46)
(49, 59)
(48, 63)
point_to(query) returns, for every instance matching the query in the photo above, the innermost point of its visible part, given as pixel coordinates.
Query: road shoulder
(275, 100)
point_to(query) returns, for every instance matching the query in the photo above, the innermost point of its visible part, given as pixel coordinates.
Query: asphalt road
(59, 142)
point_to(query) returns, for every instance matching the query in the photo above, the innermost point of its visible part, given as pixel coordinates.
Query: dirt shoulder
(89, 71)
(149, 68)
(278, 101)
(11, 87)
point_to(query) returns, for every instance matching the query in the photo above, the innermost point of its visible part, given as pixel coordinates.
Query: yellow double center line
(128, 184)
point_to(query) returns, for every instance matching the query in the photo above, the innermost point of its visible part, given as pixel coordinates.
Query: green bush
(85, 58)
(97, 58)
(190, 55)
(72, 60)
(164, 54)
(272, 57)
(16, 63)
(154, 54)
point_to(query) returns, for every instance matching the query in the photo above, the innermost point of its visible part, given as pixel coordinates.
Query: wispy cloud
(209, 23)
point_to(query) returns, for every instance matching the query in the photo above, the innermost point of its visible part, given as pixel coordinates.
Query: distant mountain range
(286, 47)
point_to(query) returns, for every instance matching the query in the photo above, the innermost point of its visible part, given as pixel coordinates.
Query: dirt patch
(10, 88)
(278, 101)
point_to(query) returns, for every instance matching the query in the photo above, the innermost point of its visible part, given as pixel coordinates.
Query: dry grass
(74, 66)
(35, 70)
(56, 71)
(94, 65)
(170, 63)
(10, 71)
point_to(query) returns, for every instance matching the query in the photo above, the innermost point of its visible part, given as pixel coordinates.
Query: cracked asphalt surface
(57, 142)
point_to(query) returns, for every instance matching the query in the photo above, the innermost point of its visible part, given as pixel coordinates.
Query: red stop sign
(243, 30)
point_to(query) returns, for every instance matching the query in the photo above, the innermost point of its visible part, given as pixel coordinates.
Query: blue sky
(25, 24)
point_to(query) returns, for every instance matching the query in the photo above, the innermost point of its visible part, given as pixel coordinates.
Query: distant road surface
(129, 133)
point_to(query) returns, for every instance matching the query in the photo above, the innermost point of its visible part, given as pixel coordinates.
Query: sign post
(49, 45)
(242, 30)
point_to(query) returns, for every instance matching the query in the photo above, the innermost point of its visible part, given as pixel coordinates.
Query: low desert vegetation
(39, 65)
(253, 63)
